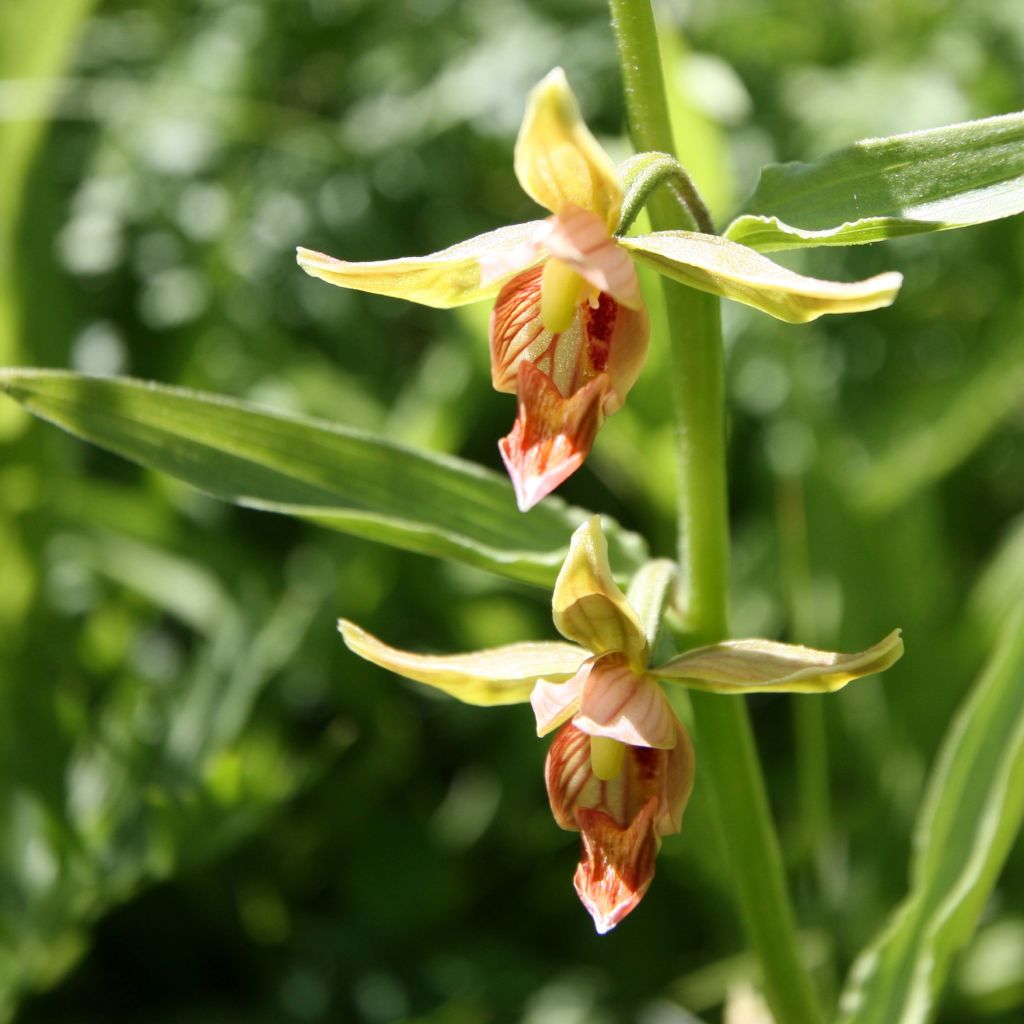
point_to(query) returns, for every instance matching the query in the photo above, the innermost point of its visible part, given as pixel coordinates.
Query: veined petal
(646, 772)
(749, 666)
(616, 864)
(558, 161)
(617, 703)
(451, 277)
(627, 332)
(620, 818)
(497, 675)
(571, 782)
(716, 265)
(518, 336)
(551, 436)
(555, 703)
(649, 592)
(587, 604)
(604, 338)
(579, 238)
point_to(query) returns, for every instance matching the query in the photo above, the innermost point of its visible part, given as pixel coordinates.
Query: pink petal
(617, 864)
(627, 351)
(622, 705)
(581, 239)
(555, 703)
(605, 337)
(551, 435)
(517, 336)
(570, 779)
(496, 265)
(666, 775)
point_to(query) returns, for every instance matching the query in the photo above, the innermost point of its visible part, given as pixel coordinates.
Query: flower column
(724, 735)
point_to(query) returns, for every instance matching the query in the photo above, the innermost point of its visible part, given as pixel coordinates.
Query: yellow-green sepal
(497, 675)
(451, 277)
(588, 606)
(649, 591)
(558, 161)
(752, 666)
(714, 264)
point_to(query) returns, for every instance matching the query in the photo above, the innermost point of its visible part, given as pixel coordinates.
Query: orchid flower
(569, 330)
(621, 766)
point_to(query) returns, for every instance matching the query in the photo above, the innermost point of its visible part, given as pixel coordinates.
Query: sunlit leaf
(931, 180)
(345, 479)
(36, 40)
(967, 826)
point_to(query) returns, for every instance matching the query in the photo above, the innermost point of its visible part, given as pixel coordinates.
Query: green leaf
(932, 180)
(972, 813)
(999, 586)
(36, 41)
(341, 478)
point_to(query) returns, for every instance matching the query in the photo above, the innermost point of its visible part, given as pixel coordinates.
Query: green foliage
(34, 44)
(162, 771)
(970, 819)
(322, 472)
(208, 810)
(949, 177)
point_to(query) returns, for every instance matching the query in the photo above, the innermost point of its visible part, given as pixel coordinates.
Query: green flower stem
(727, 752)
(643, 173)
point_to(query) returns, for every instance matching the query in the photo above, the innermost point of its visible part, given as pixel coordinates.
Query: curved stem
(727, 751)
(643, 173)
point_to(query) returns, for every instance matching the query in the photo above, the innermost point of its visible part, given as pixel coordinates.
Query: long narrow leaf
(942, 178)
(972, 814)
(36, 41)
(341, 478)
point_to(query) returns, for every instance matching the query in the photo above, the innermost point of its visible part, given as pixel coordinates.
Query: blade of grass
(325, 473)
(971, 816)
(35, 43)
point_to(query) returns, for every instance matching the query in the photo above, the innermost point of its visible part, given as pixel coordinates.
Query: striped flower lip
(567, 296)
(621, 820)
(621, 766)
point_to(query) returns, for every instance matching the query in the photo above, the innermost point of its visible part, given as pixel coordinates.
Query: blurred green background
(209, 810)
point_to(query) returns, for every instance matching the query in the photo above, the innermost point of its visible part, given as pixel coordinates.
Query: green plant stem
(643, 173)
(726, 745)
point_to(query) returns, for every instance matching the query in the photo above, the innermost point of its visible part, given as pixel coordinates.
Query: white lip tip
(603, 924)
(526, 501)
